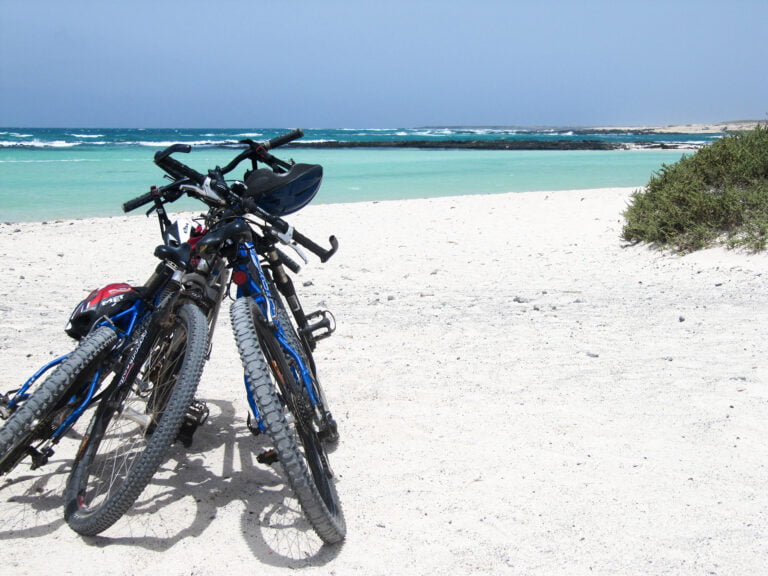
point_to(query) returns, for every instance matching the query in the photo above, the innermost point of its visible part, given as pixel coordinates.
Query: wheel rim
(317, 462)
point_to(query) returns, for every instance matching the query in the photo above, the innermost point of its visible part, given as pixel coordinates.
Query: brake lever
(287, 239)
(204, 192)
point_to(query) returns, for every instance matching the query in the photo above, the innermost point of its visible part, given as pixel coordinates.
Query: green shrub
(718, 195)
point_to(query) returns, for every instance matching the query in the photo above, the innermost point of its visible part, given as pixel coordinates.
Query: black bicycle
(236, 242)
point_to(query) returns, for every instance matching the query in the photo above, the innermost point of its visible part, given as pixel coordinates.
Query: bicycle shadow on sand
(217, 476)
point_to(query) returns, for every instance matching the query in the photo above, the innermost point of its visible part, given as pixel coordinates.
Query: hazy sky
(380, 63)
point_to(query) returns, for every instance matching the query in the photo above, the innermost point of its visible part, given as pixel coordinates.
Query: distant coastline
(499, 145)
(715, 128)
(554, 144)
(699, 128)
(467, 144)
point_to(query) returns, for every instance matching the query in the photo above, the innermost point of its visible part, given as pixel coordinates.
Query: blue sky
(385, 63)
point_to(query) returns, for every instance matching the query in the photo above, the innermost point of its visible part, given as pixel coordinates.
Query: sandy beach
(518, 392)
(712, 128)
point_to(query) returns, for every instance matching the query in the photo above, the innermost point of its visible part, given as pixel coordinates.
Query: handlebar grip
(177, 169)
(284, 139)
(138, 201)
(289, 262)
(185, 148)
(283, 226)
(319, 251)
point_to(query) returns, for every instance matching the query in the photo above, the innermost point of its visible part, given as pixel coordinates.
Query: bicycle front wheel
(52, 401)
(297, 444)
(133, 426)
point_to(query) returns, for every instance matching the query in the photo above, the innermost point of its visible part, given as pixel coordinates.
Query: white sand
(518, 393)
(714, 128)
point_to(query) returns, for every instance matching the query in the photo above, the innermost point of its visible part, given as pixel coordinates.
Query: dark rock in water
(469, 144)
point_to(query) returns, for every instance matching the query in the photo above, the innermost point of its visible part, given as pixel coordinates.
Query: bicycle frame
(124, 324)
(257, 288)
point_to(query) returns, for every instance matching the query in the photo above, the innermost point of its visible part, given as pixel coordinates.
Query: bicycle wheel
(49, 404)
(133, 427)
(297, 445)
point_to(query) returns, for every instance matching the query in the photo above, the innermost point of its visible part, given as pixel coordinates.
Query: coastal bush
(718, 195)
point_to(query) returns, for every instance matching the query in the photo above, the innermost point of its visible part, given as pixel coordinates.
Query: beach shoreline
(700, 128)
(518, 392)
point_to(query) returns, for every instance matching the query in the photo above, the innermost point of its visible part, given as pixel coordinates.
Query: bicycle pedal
(253, 427)
(330, 433)
(320, 324)
(5, 409)
(196, 416)
(39, 458)
(268, 457)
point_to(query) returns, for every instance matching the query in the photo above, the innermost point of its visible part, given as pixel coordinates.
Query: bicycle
(110, 324)
(139, 361)
(236, 244)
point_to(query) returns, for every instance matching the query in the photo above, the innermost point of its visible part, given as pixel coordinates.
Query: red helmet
(102, 302)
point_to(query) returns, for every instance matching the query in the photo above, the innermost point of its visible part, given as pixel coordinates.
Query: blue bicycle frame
(124, 324)
(257, 288)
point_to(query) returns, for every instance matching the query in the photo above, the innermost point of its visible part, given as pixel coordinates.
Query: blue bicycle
(236, 242)
(110, 324)
(139, 361)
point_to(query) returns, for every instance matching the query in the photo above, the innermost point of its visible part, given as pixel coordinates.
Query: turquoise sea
(48, 174)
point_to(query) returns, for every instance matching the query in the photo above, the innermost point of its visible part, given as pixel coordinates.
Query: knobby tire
(298, 447)
(120, 456)
(32, 421)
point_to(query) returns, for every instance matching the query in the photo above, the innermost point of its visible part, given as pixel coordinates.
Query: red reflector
(239, 277)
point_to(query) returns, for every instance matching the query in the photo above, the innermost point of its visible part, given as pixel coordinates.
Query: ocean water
(50, 174)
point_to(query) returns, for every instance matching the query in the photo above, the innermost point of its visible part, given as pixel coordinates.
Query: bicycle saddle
(179, 255)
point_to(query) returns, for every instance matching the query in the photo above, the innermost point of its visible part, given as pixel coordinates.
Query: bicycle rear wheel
(52, 401)
(133, 427)
(297, 444)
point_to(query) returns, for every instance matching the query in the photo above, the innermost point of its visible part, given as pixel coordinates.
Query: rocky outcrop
(470, 144)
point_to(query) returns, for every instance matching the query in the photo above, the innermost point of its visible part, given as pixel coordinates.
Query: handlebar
(139, 201)
(177, 170)
(289, 262)
(183, 174)
(283, 227)
(284, 139)
(185, 148)
(169, 193)
(318, 251)
(256, 151)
